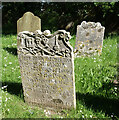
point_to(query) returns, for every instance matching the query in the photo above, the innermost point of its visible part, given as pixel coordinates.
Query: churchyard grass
(96, 95)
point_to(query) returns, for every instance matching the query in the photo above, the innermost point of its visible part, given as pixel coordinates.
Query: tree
(64, 15)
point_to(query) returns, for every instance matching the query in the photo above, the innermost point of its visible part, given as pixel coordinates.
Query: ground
(96, 95)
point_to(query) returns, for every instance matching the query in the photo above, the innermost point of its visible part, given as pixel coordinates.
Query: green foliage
(96, 71)
(96, 96)
(58, 15)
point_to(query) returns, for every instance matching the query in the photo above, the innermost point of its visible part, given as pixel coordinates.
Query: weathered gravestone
(28, 22)
(89, 39)
(47, 68)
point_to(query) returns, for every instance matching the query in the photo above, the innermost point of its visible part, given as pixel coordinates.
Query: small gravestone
(28, 22)
(89, 39)
(47, 68)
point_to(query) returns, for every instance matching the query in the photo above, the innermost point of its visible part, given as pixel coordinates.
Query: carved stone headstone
(89, 39)
(28, 22)
(47, 68)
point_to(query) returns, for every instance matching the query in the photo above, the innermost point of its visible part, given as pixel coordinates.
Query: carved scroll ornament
(45, 43)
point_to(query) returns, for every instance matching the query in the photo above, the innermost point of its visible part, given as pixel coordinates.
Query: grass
(96, 95)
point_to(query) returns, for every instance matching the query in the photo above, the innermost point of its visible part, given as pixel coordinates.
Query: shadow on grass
(11, 50)
(100, 103)
(14, 88)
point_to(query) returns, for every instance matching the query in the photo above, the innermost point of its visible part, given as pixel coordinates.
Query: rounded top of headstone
(28, 13)
(25, 14)
(28, 22)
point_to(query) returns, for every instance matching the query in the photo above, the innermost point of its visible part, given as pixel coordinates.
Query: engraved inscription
(47, 70)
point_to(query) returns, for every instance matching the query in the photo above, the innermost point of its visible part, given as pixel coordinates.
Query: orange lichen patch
(99, 50)
(100, 46)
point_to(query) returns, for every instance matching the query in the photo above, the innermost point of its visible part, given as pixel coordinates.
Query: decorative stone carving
(47, 68)
(89, 39)
(28, 22)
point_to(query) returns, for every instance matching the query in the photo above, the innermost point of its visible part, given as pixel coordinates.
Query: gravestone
(89, 39)
(47, 68)
(28, 22)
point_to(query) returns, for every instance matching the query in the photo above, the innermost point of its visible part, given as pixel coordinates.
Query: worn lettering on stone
(89, 39)
(47, 68)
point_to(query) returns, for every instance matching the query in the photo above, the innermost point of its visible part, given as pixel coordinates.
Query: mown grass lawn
(96, 95)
